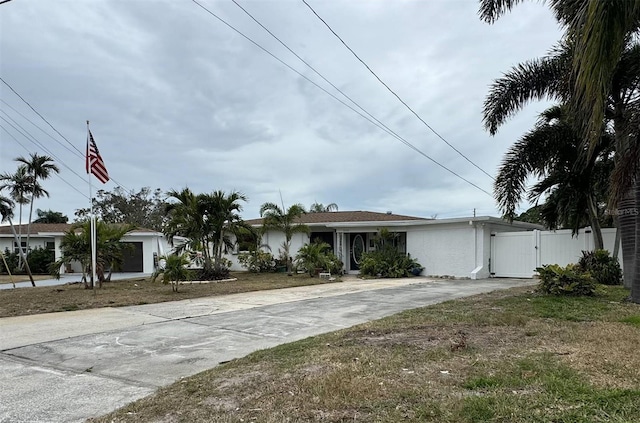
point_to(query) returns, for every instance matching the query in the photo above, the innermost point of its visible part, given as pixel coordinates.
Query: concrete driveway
(67, 367)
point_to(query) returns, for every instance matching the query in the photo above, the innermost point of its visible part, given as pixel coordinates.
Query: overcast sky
(176, 98)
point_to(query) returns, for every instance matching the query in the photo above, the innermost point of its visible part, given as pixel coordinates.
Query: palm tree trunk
(592, 211)
(20, 236)
(21, 253)
(627, 220)
(635, 276)
(616, 242)
(30, 216)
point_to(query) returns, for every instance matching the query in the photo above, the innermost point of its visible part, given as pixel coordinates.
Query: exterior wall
(443, 250)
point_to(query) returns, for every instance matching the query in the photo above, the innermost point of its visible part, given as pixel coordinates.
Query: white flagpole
(93, 223)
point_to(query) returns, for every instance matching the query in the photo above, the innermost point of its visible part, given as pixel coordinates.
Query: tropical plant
(551, 152)
(601, 266)
(6, 211)
(317, 255)
(386, 260)
(19, 185)
(569, 280)
(76, 246)
(286, 221)
(173, 270)
(40, 260)
(321, 208)
(599, 78)
(38, 168)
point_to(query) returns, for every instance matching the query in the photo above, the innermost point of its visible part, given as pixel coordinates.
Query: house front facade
(142, 257)
(458, 247)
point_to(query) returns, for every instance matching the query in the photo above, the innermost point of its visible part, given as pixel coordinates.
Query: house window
(24, 247)
(50, 245)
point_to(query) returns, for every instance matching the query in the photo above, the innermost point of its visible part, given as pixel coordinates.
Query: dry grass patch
(496, 357)
(25, 301)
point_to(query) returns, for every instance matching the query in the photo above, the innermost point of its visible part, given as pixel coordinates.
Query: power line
(394, 93)
(401, 139)
(52, 127)
(55, 174)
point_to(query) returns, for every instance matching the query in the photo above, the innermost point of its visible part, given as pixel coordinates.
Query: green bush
(386, 261)
(40, 259)
(257, 261)
(317, 255)
(602, 267)
(12, 261)
(570, 280)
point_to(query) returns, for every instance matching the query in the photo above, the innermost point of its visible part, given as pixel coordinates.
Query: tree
(321, 208)
(6, 211)
(19, 185)
(173, 271)
(76, 246)
(551, 152)
(38, 168)
(601, 77)
(50, 216)
(144, 209)
(277, 219)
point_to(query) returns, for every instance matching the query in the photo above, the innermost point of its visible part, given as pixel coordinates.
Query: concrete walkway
(67, 367)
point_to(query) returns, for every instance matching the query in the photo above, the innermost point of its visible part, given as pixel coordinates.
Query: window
(50, 245)
(24, 247)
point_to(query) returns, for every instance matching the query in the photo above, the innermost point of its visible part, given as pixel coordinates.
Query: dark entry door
(357, 246)
(133, 260)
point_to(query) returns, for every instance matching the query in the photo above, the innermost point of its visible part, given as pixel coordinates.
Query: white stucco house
(147, 245)
(458, 247)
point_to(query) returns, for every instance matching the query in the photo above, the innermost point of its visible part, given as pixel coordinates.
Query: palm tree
(222, 213)
(602, 80)
(551, 152)
(38, 168)
(6, 211)
(173, 271)
(321, 208)
(19, 185)
(186, 218)
(277, 219)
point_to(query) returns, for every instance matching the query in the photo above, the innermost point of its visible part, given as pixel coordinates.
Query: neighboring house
(458, 247)
(147, 245)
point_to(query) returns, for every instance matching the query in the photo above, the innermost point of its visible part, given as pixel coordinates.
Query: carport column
(340, 248)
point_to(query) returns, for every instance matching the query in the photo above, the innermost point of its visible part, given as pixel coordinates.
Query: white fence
(518, 254)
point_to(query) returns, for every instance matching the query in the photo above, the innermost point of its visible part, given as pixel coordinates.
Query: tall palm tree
(285, 221)
(186, 218)
(321, 208)
(603, 81)
(6, 213)
(551, 152)
(222, 211)
(19, 185)
(39, 168)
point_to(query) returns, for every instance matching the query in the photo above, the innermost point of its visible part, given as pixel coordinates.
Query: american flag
(95, 164)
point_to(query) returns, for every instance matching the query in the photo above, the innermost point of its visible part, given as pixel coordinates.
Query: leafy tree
(50, 216)
(173, 271)
(531, 215)
(321, 208)
(6, 211)
(600, 80)
(38, 168)
(278, 219)
(144, 209)
(76, 246)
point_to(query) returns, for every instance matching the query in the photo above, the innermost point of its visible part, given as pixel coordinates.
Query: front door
(357, 246)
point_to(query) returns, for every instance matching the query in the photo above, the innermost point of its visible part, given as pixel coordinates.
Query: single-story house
(459, 247)
(147, 245)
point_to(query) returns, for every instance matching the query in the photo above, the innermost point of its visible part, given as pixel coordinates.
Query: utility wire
(56, 174)
(52, 127)
(401, 139)
(394, 93)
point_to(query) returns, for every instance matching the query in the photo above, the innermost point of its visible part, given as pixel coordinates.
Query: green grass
(632, 320)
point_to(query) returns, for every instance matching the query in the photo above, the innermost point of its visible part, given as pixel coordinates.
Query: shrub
(173, 270)
(216, 273)
(40, 259)
(570, 280)
(602, 267)
(318, 255)
(386, 261)
(257, 261)
(11, 259)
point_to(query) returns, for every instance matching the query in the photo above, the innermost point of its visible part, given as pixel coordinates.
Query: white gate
(518, 254)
